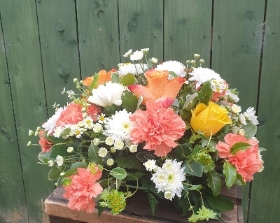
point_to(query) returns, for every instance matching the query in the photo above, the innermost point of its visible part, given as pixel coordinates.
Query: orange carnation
(158, 86)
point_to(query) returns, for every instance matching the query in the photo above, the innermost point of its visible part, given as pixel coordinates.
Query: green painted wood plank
(141, 26)
(25, 71)
(98, 35)
(59, 49)
(187, 30)
(237, 43)
(12, 202)
(265, 191)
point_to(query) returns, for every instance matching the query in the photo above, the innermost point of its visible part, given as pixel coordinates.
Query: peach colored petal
(158, 86)
(87, 81)
(223, 149)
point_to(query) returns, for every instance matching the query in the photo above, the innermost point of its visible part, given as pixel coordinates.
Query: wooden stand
(137, 210)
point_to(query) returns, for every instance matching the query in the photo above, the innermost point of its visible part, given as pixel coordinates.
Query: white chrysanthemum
(102, 152)
(70, 149)
(242, 119)
(201, 75)
(232, 97)
(169, 178)
(88, 122)
(51, 123)
(106, 95)
(59, 160)
(128, 68)
(133, 148)
(118, 144)
(119, 126)
(97, 128)
(174, 66)
(109, 141)
(250, 115)
(127, 54)
(150, 165)
(235, 108)
(137, 55)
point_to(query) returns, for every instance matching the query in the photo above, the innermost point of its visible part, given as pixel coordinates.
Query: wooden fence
(46, 43)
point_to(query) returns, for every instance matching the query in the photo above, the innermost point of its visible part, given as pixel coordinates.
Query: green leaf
(119, 173)
(195, 187)
(93, 155)
(59, 150)
(193, 168)
(214, 182)
(239, 180)
(191, 102)
(129, 101)
(230, 173)
(74, 167)
(130, 162)
(250, 130)
(44, 157)
(134, 176)
(219, 203)
(128, 79)
(182, 150)
(205, 93)
(196, 150)
(115, 77)
(54, 173)
(239, 146)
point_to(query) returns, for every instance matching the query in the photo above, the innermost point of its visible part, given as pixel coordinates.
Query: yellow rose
(209, 119)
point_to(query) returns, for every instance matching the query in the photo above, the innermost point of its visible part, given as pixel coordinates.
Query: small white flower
(201, 75)
(59, 160)
(50, 163)
(150, 165)
(70, 149)
(241, 132)
(242, 119)
(96, 141)
(174, 66)
(133, 148)
(57, 131)
(137, 55)
(101, 118)
(128, 68)
(118, 102)
(235, 108)
(127, 54)
(109, 141)
(218, 85)
(110, 162)
(232, 97)
(118, 144)
(76, 131)
(97, 128)
(106, 95)
(70, 93)
(88, 123)
(154, 60)
(145, 50)
(250, 115)
(102, 152)
(30, 132)
(168, 195)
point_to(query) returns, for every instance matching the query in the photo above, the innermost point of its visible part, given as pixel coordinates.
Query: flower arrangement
(171, 130)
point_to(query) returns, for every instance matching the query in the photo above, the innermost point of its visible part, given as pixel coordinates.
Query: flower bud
(75, 80)
(154, 60)
(196, 56)
(29, 143)
(110, 162)
(70, 149)
(30, 132)
(201, 61)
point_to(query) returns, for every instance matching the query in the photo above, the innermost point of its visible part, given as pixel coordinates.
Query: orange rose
(209, 119)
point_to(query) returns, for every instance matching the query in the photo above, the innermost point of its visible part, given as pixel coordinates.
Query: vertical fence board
(141, 26)
(187, 29)
(12, 202)
(98, 35)
(25, 71)
(237, 43)
(59, 45)
(265, 193)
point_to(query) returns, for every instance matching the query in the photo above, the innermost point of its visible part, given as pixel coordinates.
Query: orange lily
(158, 86)
(103, 77)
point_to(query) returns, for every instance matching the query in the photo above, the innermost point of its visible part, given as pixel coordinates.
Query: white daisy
(201, 75)
(174, 66)
(88, 123)
(150, 165)
(232, 97)
(250, 115)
